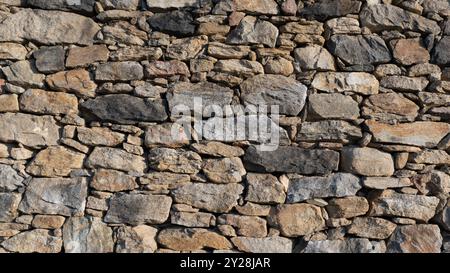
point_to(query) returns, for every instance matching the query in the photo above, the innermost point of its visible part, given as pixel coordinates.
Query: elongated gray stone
(87, 235)
(263, 245)
(335, 185)
(350, 245)
(329, 130)
(291, 160)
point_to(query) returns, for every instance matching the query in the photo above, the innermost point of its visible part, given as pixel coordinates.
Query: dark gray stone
(10, 180)
(80, 5)
(324, 9)
(360, 49)
(291, 160)
(441, 52)
(50, 59)
(329, 130)
(176, 23)
(124, 109)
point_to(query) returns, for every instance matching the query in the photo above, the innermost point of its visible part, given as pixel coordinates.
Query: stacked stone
(88, 164)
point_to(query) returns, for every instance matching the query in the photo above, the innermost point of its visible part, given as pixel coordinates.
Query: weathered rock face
(29, 130)
(415, 239)
(50, 196)
(127, 109)
(288, 126)
(268, 90)
(297, 219)
(87, 235)
(211, 197)
(291, 160)
(48, 27)
(151, 209)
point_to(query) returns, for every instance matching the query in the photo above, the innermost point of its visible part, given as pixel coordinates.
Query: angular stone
(127, 109)
(84, 56)
(358, 82)
(37, 240)
(297, 219)
(324, 9)
(139, 239)
(224, 51)
(48, 27)
(367, 162)
(382, 183)
(12, 51)
(264, 189)
(239, 67)
(268, 7)
(415, 239)
(404, 84)
(390, 203)
(50, 196)
(48, 221)
(332, 106)
(420, 133)
(176, 23)
(9, 203)
(172, 135)
(217, 198)
(347, 207)
(136, 53)
(78, 6)
(254, 31)
(178, 161)
(212, 28)
(44, 102)
(309, 27)
(409, 52)
(112, 181)
(253, 209)
(335, 185)
(287, 93)
(387, 107)
(166, 69)
(121, 4)
(436, 157)
(174, 4)
(225, 170)
(279, 66)
(73, 81)
(440, 54)
(191, 239)
(124, 33)
(55, 161)
(135, 209)
(360, 49)
(186, 94)
(191, 219)
(350, 245)
(9, 103)
(50, 59)
(315, 57)
(329, 130)
(116, 159)
(29, 130)
(24, 74)
(10, 179)
(291, 160)
(217, 149)
(372, 228)
(263, 245)
(119, 71)
(342, 25)
(98, 136)
(187, 48)
(87, 235)
(381, 17)
(245, 225)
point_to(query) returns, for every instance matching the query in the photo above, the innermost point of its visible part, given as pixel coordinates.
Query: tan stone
(9, 103)
(367, 162)
(55, 161)
(243, 68)
(186, 48)
(212, 28)
(98, 136)
(217, 149)
(250, 226)
(44, 102)
(347, 207)
(415, 239)
(166, 69)
(279, 66)
(410, 51)
(390, 106)
(226, 170)
(224, 51)
(372, 228)
(12, 51)
(84, 56)
(37, 240)
(117, 159)
(297, 219)
(421, 133)
(73, 81)
(191, 239)
(358, 82)
(48, 221)
(113, 181)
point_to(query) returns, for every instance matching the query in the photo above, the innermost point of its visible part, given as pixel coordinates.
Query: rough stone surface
(253, 31)
(37, 240)
(177, 161)
(44, 102)
(357, 82)
(372, 228)
(324, 106)
(264, 189)
(138, 239)
(415, 239)
(263, 245)
(87, 235)
(191, 239)
(117, 159)
(329, 130)
(10, 180)
(351, 245)
(73, 81)
(367, 161)
(55, 161)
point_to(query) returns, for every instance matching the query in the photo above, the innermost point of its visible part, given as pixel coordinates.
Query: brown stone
(226, 170)
(44, 102)
(84, 56)
(217, 149)
(250, 226)
(73, 81)
(48, 221)
(390, 106)
(372, 228)
(191, 239)
(264, 189)
(410, 51)
(415, 239)
(98, 136)
(347, 207)
(55, 161)
(112, 181)
(9, 103)
(166, 69)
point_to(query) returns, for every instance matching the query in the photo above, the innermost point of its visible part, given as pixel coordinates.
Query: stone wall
(89, 161)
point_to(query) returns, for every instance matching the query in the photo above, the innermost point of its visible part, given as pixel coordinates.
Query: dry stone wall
(89, 161)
